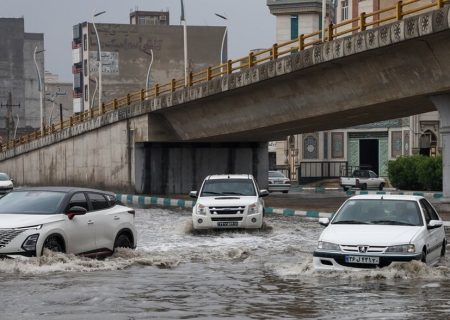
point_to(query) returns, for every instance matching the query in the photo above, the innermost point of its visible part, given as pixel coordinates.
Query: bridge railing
(365, 20)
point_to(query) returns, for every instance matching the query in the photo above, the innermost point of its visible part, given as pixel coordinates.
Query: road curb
(188, 204)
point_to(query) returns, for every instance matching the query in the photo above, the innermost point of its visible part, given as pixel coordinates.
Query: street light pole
(147, 81)
(41, 102)
(183, 23)
(324, 9)
(99, 59)
(224, 36)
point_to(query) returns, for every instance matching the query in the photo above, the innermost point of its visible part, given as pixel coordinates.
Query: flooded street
(247, 275)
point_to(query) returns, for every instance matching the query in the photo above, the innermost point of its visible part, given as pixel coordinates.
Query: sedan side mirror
(76, 211)
(324, 221)
(263, 193)
(193, 194)
(433, 224)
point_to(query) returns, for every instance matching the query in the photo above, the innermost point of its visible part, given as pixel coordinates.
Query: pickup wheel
(381, 186)
(364, 186)
(345, 188)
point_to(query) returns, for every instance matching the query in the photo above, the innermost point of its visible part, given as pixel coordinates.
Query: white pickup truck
(362, 179)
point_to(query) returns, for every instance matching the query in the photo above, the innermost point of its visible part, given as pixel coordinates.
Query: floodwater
(175, 274)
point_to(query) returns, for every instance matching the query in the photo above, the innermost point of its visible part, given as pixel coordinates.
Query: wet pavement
(175, 273)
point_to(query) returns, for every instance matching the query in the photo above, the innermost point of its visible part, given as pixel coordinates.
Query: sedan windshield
(31, 202)
(221, 187)
(4, 177)
(379, 211)
(276, 174)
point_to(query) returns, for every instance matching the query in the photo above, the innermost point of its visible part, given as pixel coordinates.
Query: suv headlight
(253, 208)
(404, 248)
(328, 246)
(201, 210)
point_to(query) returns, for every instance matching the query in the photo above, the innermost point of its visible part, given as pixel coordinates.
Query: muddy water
(175, 274)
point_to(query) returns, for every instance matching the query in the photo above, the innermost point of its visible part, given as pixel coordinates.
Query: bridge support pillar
(442, 104)
(177, 168)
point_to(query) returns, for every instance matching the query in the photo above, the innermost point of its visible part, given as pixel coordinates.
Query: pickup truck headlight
(201, 210)
(328, 246)
(404, 248)
(253, 208)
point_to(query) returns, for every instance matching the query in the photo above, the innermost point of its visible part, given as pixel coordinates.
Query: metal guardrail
(365, 20)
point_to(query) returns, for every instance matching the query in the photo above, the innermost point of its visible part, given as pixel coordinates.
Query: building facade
(58, 99)
(19, 95)
(126, 53)
(314, 155)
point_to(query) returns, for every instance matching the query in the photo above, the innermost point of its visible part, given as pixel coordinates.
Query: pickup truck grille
(7, 235)
(227, 210)
(227, 219)
(367, 249)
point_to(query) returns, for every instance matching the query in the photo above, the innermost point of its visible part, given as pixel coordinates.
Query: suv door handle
(90, 222)
(116, 218)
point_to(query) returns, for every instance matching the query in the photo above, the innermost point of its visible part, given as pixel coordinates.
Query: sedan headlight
(328, 246)
(201, 210)
(404, 248)
(253, 208)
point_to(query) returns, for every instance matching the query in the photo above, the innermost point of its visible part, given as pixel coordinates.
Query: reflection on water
(176, 273)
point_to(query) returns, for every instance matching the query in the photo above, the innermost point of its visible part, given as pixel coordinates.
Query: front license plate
(362, 259)
(227, 224)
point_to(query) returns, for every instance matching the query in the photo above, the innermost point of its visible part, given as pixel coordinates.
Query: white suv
(228, 201)
(64, 219)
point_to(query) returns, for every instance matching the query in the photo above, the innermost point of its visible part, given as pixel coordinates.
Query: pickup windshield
(228, 187)
(379, 211)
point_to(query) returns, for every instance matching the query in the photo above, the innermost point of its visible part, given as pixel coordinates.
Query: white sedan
(64, 219)
(370, 231)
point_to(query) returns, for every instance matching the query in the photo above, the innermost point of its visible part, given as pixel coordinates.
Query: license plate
(227, 224)
(362, 259)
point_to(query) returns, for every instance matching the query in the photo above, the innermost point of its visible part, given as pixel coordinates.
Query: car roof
(386, 197)
(229, 176)
(65, 189)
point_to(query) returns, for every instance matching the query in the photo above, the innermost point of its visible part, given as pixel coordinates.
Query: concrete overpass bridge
(388, 64)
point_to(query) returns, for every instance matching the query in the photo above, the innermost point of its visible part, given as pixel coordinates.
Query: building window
(337, 145)
(85, 68)
(294, 27)
(85, 42)
(344, 10)
(310, 147)
(86, 93)
(325, 145)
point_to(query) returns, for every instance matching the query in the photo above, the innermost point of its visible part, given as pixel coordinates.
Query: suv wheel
(53, 243)
(122, 241)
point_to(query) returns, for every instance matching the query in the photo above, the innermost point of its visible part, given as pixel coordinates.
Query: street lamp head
(99, 13)
(221, 16)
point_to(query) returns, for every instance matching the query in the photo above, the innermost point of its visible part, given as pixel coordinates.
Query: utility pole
(8, 119)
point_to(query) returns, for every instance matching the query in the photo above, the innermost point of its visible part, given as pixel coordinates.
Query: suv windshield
(379, 211)
(31, 202)
(4, 177)
(221, 187)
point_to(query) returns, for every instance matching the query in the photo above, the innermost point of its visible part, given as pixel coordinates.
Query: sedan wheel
(424, 256)
(381, 186)
(53, 243)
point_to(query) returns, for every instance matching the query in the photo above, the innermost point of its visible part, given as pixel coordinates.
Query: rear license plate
(362, 259)
(227, 224)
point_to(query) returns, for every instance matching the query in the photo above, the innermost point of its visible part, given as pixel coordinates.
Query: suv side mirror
(75, 211)
(433, 224)
(324, 221)
(263, 193)
(193, 194)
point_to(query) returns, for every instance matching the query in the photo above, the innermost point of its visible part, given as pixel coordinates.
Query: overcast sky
(251, 25)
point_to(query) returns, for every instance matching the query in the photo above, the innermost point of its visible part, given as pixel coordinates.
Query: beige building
(316, 155)
(126, 55)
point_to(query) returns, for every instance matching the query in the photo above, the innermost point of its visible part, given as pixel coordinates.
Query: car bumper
(327, 260)
(279, 187)
(5, 190)
(253, 221)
